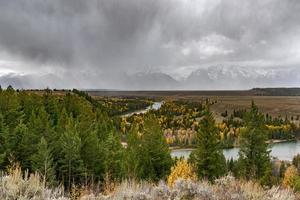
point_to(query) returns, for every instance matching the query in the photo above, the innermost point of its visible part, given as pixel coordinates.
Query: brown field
(276, 106)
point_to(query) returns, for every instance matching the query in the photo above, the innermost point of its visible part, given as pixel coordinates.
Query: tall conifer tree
(133, 153)
(42, 162)
(114, 157)
(156, 160)
(254, 156)
(3, 134)
(72, 168)
(208, 157)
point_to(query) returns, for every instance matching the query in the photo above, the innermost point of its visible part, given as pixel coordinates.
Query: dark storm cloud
(101, 36)
(96, 33)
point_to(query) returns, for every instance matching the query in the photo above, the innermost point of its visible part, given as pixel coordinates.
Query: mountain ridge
(215, 77)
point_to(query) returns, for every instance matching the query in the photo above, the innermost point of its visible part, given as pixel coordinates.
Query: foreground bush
(226, 188)
(16, 185)
(182, 170)
(290, 176)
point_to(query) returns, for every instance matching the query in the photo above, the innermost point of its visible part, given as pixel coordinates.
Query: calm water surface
(282, 151)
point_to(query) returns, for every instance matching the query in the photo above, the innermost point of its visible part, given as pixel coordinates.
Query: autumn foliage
(290, 176)
(182, 170)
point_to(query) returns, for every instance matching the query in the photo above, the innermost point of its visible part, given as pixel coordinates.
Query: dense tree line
(124, 105)
(69, 138)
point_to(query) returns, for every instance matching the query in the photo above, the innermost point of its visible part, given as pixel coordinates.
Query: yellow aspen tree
(182, 170)
(290, 176)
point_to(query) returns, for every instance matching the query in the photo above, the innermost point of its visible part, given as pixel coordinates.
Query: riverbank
(192, 147)
(284, 151)
(281, 141)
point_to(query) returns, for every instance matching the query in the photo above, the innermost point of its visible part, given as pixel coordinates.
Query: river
(282, 151)
(154, 106)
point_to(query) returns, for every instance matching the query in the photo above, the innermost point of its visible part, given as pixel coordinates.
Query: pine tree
(12, 140)
(133, 153)
(92, 153)
(208, 158)
(42, 162)
(10, 108)
(104, 125)
(114, 157)
(71, 163)
(39, 124)
(10, 89)
(28, 146)
(62, 121)
(254, 158)
(296, 161)
(38, 127)
(156, 159)
(51, 106)
(59, 130)
(3, 134)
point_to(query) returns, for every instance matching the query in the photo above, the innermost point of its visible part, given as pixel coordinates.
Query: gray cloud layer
(108, 37)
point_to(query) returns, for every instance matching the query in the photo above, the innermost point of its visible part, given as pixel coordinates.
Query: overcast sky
(176, 37)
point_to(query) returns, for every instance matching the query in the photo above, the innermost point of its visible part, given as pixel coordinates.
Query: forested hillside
(70, 139)
(61, 137)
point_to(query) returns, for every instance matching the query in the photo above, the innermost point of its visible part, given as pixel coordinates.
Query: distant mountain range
(154, 80)
(236, 77)
(217, 77)
(30, 81)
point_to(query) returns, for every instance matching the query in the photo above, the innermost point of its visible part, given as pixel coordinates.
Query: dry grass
(226, 188)
(18, 186)
(276, 106)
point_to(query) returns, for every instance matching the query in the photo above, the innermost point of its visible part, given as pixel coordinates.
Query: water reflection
(282, 151)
